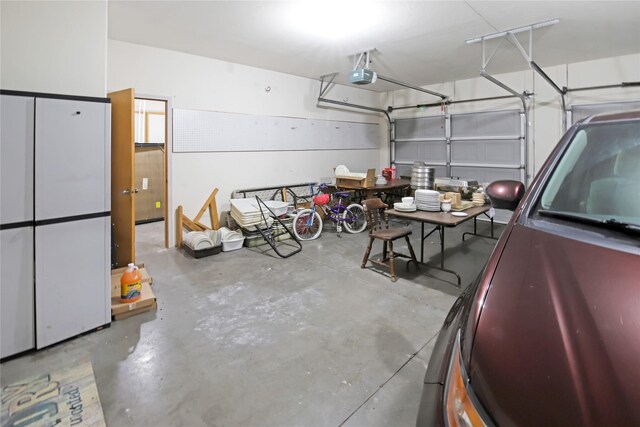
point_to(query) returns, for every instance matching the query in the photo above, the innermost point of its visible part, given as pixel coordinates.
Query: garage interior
(478, 90)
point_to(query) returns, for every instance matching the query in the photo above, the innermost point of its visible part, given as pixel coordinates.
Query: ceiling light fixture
(333, 19)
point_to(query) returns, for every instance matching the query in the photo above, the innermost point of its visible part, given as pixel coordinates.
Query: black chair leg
(413, 255)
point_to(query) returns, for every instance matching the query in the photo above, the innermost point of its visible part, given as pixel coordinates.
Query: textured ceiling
(418, 42)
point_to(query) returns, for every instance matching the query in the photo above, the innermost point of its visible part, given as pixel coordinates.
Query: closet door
(16, 276)
(72, 279)
(16, 225)
(16, 159)
(71, 152)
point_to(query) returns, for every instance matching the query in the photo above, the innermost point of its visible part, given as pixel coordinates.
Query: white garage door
(485, 146)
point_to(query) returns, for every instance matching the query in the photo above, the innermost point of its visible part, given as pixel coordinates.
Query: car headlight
(460, 406)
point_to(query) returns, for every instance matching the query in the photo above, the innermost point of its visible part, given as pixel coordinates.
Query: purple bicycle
(307, 224)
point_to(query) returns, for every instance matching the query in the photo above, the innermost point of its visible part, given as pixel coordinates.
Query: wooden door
(122, 176)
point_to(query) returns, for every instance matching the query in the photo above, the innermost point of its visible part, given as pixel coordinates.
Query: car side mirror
(505, 194)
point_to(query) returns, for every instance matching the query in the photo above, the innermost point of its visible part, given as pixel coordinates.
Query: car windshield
(597, 180)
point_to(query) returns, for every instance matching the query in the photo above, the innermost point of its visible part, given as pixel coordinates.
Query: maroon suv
(549, 332)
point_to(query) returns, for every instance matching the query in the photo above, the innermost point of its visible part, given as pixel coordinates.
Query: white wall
(200, 83)
(546, 116)
(54, 46)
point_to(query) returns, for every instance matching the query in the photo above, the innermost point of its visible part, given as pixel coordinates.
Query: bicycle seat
(343, 194)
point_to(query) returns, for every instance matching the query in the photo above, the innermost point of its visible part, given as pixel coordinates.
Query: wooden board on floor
(64, 397)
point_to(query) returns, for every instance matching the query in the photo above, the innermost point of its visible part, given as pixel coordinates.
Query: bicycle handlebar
(321, 187)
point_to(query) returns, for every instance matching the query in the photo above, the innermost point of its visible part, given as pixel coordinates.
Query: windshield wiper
(610, 223)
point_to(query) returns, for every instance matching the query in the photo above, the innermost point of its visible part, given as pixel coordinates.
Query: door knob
(127, 191)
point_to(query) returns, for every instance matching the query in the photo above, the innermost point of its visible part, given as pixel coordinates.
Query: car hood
(558, 338)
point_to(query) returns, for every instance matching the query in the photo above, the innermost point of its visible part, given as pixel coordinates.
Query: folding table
(442, 220)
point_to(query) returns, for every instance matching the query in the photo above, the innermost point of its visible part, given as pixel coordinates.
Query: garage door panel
(423, 127)
(502, 152)
(492, 123)
(425, 151)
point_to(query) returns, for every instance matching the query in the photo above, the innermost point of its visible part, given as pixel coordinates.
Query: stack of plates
(404, 207)
(427, 200)
(342, 170)
(422, 176)
(228, 234)
(477, 199)
(215, 236)
(198, 240)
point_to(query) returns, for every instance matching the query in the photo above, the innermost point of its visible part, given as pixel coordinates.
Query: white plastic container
(232, 244)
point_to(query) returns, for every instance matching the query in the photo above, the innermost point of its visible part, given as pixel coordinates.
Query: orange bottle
(130, 284)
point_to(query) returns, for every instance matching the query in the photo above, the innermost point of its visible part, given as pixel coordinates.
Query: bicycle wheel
(306, 227)
(354, 219)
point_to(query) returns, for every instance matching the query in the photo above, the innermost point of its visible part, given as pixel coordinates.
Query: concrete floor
(248, 339)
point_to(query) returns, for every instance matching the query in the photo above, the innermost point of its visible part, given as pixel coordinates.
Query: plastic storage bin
(232, 244)
(201, 253)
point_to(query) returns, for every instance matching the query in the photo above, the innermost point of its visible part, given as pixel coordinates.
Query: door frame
(169, 216)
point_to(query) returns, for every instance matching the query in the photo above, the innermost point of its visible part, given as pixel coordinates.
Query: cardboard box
(149, 180)
(146, 302)
(353, 182)
(121, 270)
(135, 312)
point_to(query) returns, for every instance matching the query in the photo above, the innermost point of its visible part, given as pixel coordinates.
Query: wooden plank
(190, 225)
(213, 212)
(179, 226)
(64, 397)
(203, 226)
(211, 204)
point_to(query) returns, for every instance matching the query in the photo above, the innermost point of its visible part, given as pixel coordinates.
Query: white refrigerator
(71, 198)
